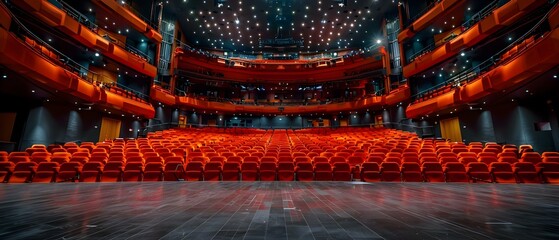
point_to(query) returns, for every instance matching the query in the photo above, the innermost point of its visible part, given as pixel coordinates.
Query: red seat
(112, 172)
(305, 171)
(341, 172)
(433, 172)
(487, 159)
(235, 159)
(153, 172)
(6, 170)
(455, 172)
(251, 159)
(268, 171)
(549, 172)
(531, 157)
(318, 159)
(133, 172)
(194, 171)
(286, 171)
(370, 172)
(479, 172)
(287, 159)
(322, 172)
(231, 171)
(17, 159)
(91, 172)
(268, 160)
(219, 159)
(302, 159)
(23, 172)
(212, 171)
(390, 172)
(502, 172)
(249, 171)
(46, 172)
(511, 160)
(526, 172)
(69, 172)
(174, 171)
(466, 160)
(411, 172)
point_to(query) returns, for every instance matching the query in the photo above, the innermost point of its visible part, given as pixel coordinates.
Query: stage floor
(278, 210)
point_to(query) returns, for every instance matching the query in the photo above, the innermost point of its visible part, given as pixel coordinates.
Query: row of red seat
(500, 172)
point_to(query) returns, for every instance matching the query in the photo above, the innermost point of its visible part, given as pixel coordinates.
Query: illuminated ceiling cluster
(239, 26)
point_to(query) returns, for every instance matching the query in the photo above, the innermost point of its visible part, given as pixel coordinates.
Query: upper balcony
(475, 30)
(80, 28)
(128, 14)
(23, 52)
(527, 59)
(198, 64)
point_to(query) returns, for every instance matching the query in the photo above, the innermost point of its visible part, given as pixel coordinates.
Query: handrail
(137, 13)
(95, 28)
(472, 73)
(64, 61)
(78, 16)
(465, 26)
(422, 12)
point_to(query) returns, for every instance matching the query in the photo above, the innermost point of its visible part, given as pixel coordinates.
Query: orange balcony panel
(85, 90)
(503, 16)
(88, 38)
(456, 45)
(70, 26)
(537, 59)
(476, 33)
(428, 18)
(422, 108)
(154, 35)
(157, 94)
(473, 91)
(47, 12)
(130, 17)
(5, 18)
(397, 96)
(149, 69)
(128, 105)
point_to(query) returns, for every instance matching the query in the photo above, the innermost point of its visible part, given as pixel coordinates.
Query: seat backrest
(500, 167)
(194, 166)
(341, 167)
(305, 166)
(524, 167)
(302, 159)
(213, 166)
(249, 166)
(410, 167)
(370, 166)
(231, 166)
(113, 166)
(478, 167)
(134, 166)
(153, 166)
(92, 166)
(251, 159)
(337, 159)
(47, 166)
(268, 166)
(322, 167)
(235, 159)
(285, 166)
(454, 167)
(268, 160)
(174, 159)
(390, 166)
(431, 166)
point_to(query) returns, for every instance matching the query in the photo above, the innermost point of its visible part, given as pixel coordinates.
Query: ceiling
(240, 25)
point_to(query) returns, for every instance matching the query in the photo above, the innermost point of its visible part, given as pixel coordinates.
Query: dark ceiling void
(281, 25)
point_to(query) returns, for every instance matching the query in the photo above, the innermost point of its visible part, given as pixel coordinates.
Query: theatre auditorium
(279, 119)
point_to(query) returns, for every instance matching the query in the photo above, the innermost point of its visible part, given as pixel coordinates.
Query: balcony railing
(84, 20)
(66, 62)
(465, 26)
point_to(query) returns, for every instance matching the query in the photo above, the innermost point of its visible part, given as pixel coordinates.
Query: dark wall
(51, 123)
(509, 122)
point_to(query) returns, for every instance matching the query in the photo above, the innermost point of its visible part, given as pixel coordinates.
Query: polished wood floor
(278, 210)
